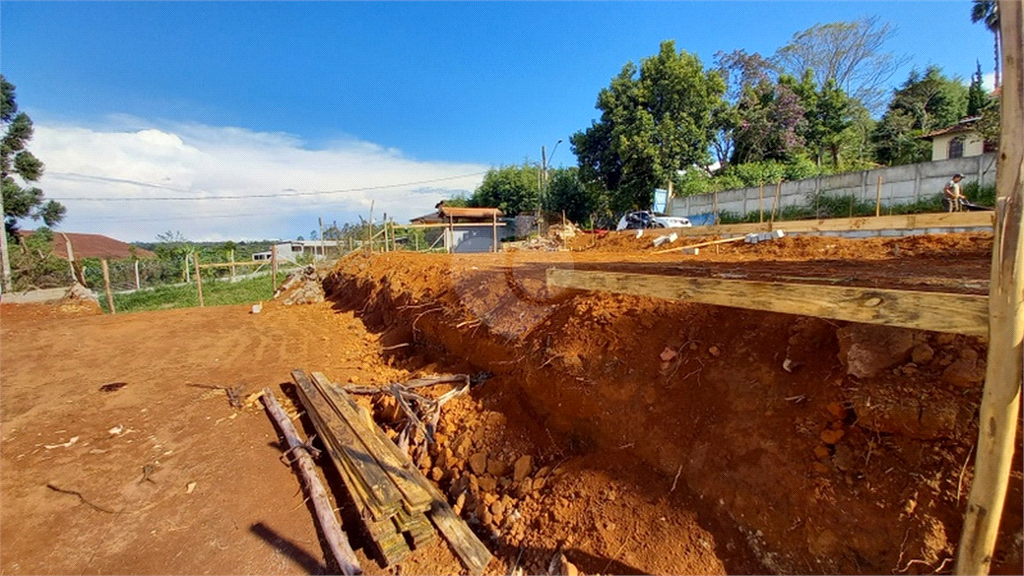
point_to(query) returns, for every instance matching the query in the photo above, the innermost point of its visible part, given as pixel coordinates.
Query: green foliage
(578, 200)
(977, 99)
(925, 102)
(21, 201)
(458, 201)
(655, 119)
(33, 264)
(512, 189)
(215, 293)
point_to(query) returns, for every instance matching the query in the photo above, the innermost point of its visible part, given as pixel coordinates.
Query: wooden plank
(456, 224)
(337, 540)
(895, 222)
(956, 313)
(700, 245)
(397, 469)
(464, 543)
(380, 487)
(1000, 400)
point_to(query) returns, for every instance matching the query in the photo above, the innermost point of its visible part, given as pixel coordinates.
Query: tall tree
(987, 11)
(977, 99)
(578, 200)
(513, 189)
(655, 119)
(19, 201)
(925, 102)
(771, 124)
(850, 53)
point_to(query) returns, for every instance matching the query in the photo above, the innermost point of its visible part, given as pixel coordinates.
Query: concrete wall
(900, 185)
(467, 239)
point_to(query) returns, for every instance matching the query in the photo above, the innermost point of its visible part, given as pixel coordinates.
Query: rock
(525, 488)
(488, 484)
(922, 354)
(837, 410)
(496, 467)
(478, 463)
(444, 456)
(965, 372)
(714, 351)
(944, 338)
(436, 474)
(462, 445)
(485, 516)
(474, 484)
(819, 467)
(498, 508)
(489, 498)
(832, 436)
(543, 473)
(868, 350)
(821, 452)
(522, 468)
(667, 354)
(844, 458)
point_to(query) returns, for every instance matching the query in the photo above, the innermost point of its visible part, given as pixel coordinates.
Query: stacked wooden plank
(395, 501)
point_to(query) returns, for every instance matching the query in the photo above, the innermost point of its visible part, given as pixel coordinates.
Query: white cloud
(136, 161)
(988, 81)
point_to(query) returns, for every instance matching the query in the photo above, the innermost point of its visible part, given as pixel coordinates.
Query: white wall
(900, 185)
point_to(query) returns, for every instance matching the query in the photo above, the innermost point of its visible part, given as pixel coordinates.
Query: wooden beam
(956, 313)
(337, 541)
(896, 222)
(997, 420)
(700, 245)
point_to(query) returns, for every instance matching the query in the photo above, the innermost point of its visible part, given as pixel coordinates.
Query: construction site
(594, 405)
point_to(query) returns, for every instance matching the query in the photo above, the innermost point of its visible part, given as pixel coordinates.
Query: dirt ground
(661, 437)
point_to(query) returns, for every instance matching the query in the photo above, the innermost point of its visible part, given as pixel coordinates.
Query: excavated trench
(647, 436)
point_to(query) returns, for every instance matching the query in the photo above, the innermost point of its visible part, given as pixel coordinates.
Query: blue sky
(216, 99)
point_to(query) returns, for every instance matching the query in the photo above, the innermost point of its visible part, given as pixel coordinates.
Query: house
(295, 249)
(93, 246)
(467, 229)
(961, 140)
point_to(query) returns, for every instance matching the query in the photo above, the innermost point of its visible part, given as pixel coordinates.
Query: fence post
(199, 278)
(878, 197)
(106, 286)
(273, 265)
(494, 231)
(137, 285)
(761, 201)
(232, 265)
(188, 275)
(775, 202)
(451, 234)
(714, 197)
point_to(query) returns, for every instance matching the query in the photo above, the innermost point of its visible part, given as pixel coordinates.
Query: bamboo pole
(878, 197)
(997, 419)
(106, 286)
(199, 279)
(273, 265)
(336, 539)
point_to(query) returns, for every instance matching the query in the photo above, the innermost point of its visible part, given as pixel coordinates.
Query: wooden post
(494, 231)
(232, 265)
(997, 420)
(137, 285)
(385, 231)
(714, 196)
(273, 265)
(369, 231)
(336, 539)
(106, 286)
(323, 249)
(775, 202)
(760, 200)
(71, 255)
(451, 234)
(878, 197)
(199, 278)
(188, 274)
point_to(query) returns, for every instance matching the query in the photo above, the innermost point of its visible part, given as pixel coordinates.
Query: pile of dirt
(803, 444)
(304, 286)
(80, 300)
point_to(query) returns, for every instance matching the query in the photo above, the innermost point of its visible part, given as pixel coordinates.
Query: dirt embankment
(829, 447)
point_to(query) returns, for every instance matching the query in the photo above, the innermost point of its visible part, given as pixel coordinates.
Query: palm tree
(987, 11)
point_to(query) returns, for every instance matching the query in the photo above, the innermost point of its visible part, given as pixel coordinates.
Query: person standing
(952, 195)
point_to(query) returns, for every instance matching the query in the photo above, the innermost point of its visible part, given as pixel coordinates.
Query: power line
(235, 196)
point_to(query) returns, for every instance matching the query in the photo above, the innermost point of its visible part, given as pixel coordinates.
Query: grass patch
(215, 293)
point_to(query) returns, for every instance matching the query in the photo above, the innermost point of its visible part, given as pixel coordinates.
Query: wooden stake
(106, 286)
(385, 231)
(997, 420)
(775, 202)
(494, 231)
(137, 286)
(878, 197)
(336, 539)
(760, 201)
(188, 274)
(451, 235)
(714, 196)
(273, 265)
(199, 278)
(232, 265)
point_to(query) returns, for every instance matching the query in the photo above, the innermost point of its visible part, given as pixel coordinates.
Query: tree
(579, 201)
(512, 189)
(987, 11)
(977, 99)
(15, 160)
(655, 120)
(771, 124)
(851, 53)
(17, 201)
(925, 102)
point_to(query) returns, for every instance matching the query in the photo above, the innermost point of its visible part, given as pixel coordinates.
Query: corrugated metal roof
(470, 212)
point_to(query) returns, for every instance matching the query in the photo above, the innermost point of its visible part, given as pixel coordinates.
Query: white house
(292, 250)
(961, 140)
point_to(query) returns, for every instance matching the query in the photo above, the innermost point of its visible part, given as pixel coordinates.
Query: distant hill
(93, 246)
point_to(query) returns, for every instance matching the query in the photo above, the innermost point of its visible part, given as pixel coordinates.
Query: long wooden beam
(898, 222)
(939, 312)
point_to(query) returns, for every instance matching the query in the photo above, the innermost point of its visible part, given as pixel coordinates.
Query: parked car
(645, 219)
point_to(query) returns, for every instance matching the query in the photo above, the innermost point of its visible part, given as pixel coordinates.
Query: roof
(459, 214)
(93, 246)
(965, 125)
